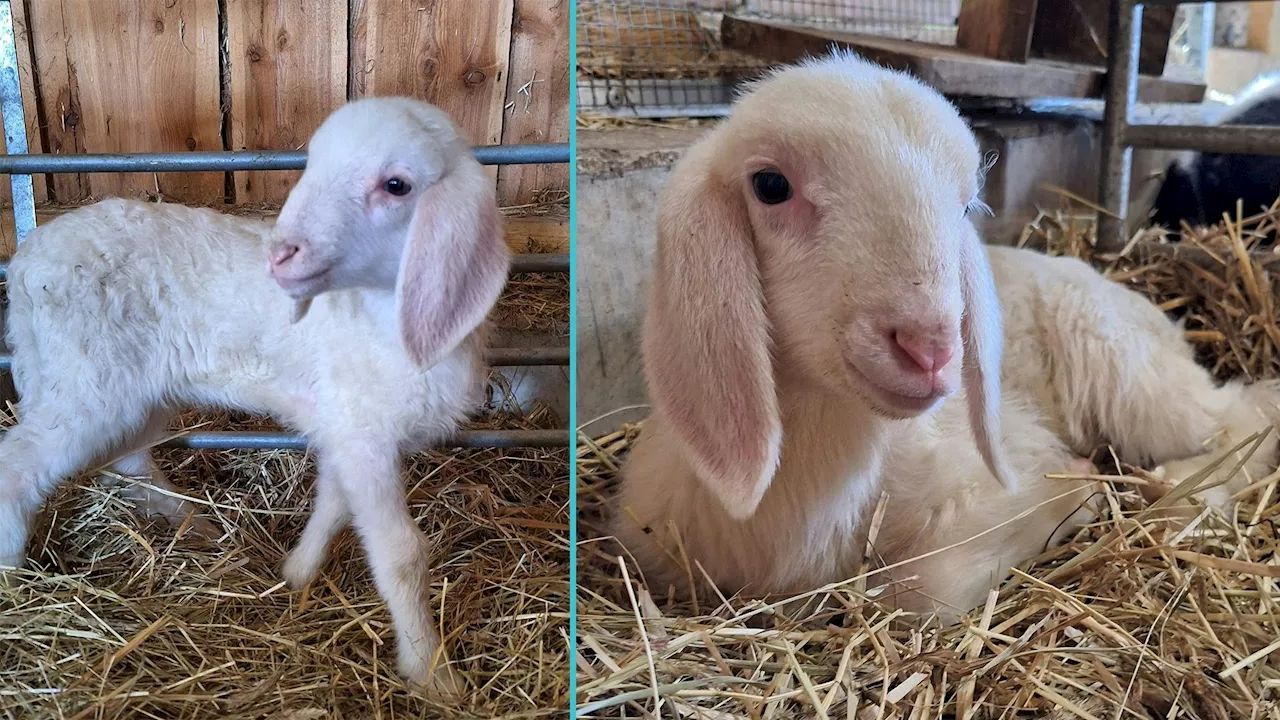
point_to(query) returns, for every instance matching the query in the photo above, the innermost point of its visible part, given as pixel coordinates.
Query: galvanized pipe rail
(20, 166)
(1120, 135)
(496, 357)
(522, 263)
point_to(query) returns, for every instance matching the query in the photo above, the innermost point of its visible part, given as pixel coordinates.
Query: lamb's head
(392, 197)
(819, 236)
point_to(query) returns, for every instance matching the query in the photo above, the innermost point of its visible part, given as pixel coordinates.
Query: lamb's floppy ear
(455, 263)
(982, 328)
(706, 336)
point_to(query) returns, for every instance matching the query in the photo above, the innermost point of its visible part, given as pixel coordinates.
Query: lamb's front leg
(398, 552)
(329, 514)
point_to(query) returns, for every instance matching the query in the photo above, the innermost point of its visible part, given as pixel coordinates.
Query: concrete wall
(620, 173)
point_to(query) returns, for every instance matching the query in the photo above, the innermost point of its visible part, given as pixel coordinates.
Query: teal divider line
(573, 357)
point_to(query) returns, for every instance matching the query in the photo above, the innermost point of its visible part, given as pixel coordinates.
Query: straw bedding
(1125, 621)
(121, 617)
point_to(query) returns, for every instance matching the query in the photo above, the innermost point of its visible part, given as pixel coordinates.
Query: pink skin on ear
(982, 328)
(454, 266)
(706, 338)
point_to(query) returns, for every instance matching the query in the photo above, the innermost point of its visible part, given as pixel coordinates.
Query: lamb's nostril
(929, 354)
(282, 252)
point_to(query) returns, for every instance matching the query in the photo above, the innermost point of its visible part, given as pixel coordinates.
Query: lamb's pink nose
(931, 354)
(281, 253)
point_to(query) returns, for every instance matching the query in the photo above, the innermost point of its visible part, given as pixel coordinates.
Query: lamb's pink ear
(707, 340)
(454, 266)
(983, 331)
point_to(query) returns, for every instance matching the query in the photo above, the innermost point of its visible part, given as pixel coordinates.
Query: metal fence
(20, 166)
(1120, 132)
(663, 58)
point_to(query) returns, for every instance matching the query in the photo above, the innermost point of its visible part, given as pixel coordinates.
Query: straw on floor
(121, 617)
(1124, 621)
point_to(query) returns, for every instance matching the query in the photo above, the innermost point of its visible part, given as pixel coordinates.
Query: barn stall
(209, 103)
(1123, 620)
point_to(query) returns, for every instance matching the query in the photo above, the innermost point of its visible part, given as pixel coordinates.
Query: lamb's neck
(375, 306)
(832, 445)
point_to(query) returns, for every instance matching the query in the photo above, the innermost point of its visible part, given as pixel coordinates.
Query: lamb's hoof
(300, 568)
(442, 682)
(1082, 466)
(9, 563)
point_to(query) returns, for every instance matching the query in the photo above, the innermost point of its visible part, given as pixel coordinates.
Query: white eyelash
(979, 207)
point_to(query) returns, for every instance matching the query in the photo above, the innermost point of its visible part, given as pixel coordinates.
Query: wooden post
(998, 29)
(1075, 31)
(1264, 30)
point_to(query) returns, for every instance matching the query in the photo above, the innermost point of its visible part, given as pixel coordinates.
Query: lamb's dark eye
(771, 187)
(397, 187)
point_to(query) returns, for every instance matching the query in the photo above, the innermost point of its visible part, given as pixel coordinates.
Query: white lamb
(123, 311)
(818, 294)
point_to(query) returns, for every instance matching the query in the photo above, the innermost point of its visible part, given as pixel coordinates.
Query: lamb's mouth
(898, 404)
(306, 286)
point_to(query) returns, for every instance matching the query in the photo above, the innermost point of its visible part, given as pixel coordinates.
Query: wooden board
(288, 67)
(951, 71)
(1075, 31)
(524, 234)
(997, 29)
(537, 96)
(1263, 33)
(130, 76)
(26, 79)
(451, 54)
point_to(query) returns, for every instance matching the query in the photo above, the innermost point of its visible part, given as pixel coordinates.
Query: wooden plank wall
(173, 75)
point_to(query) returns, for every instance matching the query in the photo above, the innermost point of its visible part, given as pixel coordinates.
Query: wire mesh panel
(663, 58)
(658, 57)
(928, 21)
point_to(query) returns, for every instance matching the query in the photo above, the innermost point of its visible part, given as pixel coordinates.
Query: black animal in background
(1199, 188)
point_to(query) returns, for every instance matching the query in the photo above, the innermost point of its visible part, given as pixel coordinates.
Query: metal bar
(522, 263)
(15, 126)
(1237, 139)
(290, 441)
(510, 357)
(497, 357)
(1123, 39)
(540, 263)
(16, 164)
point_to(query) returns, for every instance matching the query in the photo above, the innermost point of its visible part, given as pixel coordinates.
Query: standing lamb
(390, 247)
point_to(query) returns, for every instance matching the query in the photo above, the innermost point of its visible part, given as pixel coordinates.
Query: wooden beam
(997, 29)
(537, 96)
(288, 66)
(949, 70)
